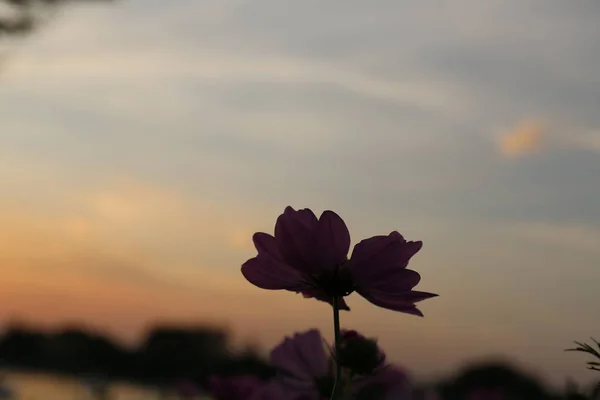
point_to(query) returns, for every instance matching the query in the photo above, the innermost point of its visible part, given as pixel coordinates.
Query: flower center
(337, 284)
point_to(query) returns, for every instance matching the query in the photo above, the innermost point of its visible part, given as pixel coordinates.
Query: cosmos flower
(358, 354)
(309, 255)
(306, 370)
(235, 388)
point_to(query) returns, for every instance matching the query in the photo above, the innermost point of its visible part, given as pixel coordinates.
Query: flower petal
(372, 259)
(268, 273)
(403, 302)
(303, 356)
(305, 216)
(266, 244)
(321, 296)
(333, 238)
(394, 282)
(296, 239)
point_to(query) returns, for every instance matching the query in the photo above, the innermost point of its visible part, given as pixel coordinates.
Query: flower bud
(358, 354)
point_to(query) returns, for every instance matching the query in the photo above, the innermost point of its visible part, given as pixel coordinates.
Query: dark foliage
(586, 348)
(514, 384)
(171, 354)
(167, 355)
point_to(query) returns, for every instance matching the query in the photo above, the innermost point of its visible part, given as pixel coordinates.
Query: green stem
(337, 384)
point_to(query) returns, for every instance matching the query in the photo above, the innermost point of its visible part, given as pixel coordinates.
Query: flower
(310, 256)
(306, 370)
(236, 388)
(358, 354)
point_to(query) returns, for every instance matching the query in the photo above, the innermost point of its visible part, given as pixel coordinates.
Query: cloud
(589, 140)
(525, 138)
(124, 231)
(531, 136)
(136, 68)
(126, 253)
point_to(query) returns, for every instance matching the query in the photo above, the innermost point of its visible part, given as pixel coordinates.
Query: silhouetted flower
(359, 354)
(306, 370)
(309, 256)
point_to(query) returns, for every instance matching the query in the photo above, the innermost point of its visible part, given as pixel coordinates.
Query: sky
(143, 142)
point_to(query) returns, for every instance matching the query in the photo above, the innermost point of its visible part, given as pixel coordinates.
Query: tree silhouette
(168, 354)
(514, 384)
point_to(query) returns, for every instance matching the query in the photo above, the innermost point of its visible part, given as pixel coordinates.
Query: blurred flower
(305, 370)
(236, 388)
(310, 256)
(358, 354)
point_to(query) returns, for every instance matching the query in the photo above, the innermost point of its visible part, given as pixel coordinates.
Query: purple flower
(236, 388)
(306, 370)
(360, 355)
(310, 256)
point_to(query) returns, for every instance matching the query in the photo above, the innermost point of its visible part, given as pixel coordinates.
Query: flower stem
(337, 384)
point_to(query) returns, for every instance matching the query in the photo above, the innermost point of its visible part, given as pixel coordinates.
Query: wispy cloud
(527, 137)
(126, 253)
(139, 161)
(532, 135)
(140, 67)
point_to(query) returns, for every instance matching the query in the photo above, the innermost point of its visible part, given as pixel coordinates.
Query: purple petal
(334, 240)
(321, 296)
(268, 273)
(266, 244)
(408, 297)
(303, 356)
(403, 302)
(296, 239)
(374, 258)
(305, 216)
(348, 334)
(237, 388)
(394, 282)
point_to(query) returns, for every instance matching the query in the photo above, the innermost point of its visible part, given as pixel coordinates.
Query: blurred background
(142, 142)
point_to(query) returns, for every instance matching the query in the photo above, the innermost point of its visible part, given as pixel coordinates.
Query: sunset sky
(143, 142)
